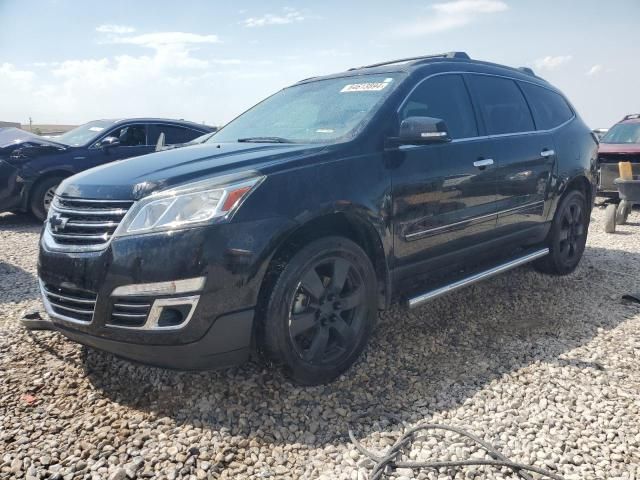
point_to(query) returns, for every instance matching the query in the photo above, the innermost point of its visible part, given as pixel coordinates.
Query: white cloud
(9, 73)
(551, 63)
(76, 90)
(449, 15)
(116, 29)
(177, 76)
(289, 15)
(595, 70)
(161, 39)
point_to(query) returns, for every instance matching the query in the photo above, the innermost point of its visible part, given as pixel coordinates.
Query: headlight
(187, 206)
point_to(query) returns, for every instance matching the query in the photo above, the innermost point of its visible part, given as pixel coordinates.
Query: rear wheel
(622, 213)
(320, 311)
(42, 196)
(567, 237)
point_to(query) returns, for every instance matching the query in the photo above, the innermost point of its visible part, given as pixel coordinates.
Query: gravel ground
(544, 368)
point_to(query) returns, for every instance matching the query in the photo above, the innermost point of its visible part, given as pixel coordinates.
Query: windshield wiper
(264, 140)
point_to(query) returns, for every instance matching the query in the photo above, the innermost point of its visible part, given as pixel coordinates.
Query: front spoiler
(227, 343)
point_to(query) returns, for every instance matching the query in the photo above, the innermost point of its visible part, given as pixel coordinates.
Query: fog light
(171, 313)
(173, 316)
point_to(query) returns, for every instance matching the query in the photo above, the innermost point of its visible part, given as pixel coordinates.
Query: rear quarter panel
(577, 154)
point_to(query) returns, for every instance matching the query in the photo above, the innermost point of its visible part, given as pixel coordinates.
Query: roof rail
(527, 70)
(462, 55)
(632, 116)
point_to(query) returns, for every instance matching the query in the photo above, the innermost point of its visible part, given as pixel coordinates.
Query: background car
(600, 132)
(620, 144)
(31, 167)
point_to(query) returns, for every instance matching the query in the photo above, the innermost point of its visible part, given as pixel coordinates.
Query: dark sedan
(31, 167)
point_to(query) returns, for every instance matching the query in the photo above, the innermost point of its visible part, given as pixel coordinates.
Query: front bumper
(231, 257)
(216, 349)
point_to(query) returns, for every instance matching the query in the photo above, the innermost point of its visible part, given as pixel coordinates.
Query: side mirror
(109, 142)
(422, 130)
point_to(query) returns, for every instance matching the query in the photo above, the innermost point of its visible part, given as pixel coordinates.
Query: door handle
(483, 162)
(547, 153)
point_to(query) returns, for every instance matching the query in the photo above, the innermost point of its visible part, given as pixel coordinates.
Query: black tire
(610, 214)
(40, 196)
(319, 311)
(622, 213)
(567, 237)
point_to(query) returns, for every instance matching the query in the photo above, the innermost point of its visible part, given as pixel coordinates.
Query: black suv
(288, 230)
(32, 167)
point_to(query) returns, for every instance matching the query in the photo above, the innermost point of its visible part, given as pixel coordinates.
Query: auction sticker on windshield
(364, 87)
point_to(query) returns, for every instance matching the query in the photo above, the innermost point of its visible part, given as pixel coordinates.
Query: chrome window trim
(484, 137)
(421, 233)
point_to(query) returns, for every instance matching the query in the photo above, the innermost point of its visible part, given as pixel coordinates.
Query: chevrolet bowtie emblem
(57, 223)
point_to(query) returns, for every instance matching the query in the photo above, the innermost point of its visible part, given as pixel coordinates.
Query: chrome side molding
(430, 295)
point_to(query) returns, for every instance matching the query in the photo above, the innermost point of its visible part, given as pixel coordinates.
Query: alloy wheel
(572, 232)
(327, 311)
(48, 197)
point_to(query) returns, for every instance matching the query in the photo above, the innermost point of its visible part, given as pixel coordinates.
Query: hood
(16, 137)
(619, 148)
(137, 177)
(18, 146)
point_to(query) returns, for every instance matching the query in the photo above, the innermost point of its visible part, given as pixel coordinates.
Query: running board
(430, 295)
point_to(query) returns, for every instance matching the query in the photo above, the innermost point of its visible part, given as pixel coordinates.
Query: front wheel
(320, 311)
(42, 196)
(568, 236)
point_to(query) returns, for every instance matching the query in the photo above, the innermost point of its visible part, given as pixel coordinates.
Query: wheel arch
(581, 183)
(30, 187)
(347, 224)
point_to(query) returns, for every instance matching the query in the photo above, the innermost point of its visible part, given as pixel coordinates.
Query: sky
(72, 61)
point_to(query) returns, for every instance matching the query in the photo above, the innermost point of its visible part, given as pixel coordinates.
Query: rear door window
(172, 134)
(549, 108)
(502, 105)
(444, 97)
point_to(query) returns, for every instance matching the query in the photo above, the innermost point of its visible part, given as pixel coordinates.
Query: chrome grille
(74, 304)
(88, 224)
(129, 312)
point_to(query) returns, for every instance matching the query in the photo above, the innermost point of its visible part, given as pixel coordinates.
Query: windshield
(315, 112)
(623, 133)
(84, 133)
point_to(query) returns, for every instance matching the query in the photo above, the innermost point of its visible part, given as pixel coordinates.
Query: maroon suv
(620, 144)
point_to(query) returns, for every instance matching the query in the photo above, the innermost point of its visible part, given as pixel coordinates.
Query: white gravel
(547, 369)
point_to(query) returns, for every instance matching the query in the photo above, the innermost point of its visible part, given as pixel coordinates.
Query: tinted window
(502, 104)
(444, 97)
(130, 135)
(172, 134)
(623, 133)
(549, 109)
